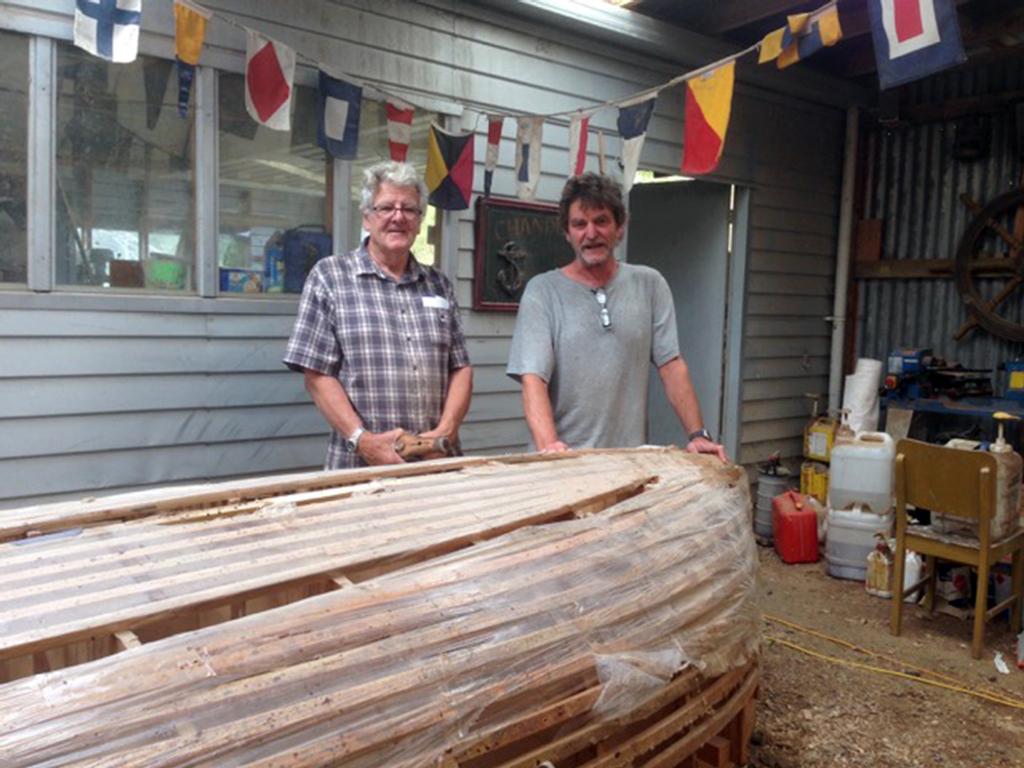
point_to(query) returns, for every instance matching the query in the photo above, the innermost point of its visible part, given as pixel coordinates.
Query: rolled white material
(860, 395)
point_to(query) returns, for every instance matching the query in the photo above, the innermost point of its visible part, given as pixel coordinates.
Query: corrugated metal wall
(913, 185)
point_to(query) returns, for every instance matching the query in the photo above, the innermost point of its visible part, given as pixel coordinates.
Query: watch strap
(700, 433)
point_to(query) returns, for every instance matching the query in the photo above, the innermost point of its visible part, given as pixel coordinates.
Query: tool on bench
(415, 447)
(917, 373)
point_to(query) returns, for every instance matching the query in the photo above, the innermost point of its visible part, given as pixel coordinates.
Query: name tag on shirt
(435, 302)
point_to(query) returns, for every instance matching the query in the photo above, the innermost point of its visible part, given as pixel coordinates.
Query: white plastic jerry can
(913, 567)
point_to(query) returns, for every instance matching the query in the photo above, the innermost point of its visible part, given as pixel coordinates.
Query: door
(681, 229)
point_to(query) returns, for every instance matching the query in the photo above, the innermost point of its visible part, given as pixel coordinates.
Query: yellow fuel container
(814, 480)
(819, 437)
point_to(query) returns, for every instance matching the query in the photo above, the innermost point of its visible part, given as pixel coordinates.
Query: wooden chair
(961, 483)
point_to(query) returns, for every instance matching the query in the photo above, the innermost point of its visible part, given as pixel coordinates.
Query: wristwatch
(352, 441)
(700, 433)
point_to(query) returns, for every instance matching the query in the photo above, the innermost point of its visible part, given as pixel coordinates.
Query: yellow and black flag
(449, 169)
(803, 35)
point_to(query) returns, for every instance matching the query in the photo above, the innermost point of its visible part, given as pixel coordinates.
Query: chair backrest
(946, 480)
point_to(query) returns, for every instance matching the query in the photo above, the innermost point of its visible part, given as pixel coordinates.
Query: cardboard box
(240, 280)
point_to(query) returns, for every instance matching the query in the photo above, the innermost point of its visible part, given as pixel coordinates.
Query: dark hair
(593, 190)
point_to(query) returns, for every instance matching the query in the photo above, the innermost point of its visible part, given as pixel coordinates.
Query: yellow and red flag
(708, 104)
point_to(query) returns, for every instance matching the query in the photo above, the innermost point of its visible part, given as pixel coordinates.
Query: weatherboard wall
(101, 392)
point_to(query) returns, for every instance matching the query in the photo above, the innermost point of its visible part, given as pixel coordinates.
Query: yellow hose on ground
(939, 680)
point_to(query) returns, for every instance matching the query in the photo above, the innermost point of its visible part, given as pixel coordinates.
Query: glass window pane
(13, 156)
(373, 148)
(124, 175)
(273, 195)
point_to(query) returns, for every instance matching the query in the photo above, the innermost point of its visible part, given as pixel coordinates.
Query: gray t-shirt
(597, 377)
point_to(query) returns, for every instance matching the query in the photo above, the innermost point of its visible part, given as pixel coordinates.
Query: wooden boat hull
(595, 610)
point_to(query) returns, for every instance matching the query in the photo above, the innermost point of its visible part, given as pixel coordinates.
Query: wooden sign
(514, 241)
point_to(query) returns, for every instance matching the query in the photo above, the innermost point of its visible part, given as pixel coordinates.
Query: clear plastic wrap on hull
(416, 665)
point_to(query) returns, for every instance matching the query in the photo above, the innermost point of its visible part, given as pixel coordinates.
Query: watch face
(352, 442)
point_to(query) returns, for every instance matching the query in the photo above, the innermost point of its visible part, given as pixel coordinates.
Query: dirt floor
(815, 711)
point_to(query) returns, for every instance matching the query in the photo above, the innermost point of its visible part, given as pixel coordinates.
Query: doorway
(693, 232)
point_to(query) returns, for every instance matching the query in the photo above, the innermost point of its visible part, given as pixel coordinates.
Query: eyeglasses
(386, 211)
(602, 299)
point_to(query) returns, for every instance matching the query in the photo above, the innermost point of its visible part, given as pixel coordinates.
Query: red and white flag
(914, 38)
(399, 128)
(494, 123)
(269, 74)
(578, 128)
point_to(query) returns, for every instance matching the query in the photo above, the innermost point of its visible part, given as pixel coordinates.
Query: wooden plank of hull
(47, 518)
(141, 575)
(461, 657)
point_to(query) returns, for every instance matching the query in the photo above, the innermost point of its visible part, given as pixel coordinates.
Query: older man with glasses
(587, 333)
(378, 335)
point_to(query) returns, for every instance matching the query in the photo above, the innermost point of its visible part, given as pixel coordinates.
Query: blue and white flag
(339, 105)
(914, 38)
(108, 28)
(528, 143)
(633, 119)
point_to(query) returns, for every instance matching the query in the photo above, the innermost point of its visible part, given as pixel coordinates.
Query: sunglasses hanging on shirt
(605, 315)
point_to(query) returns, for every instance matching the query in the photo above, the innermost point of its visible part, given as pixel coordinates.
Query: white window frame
(44, 32)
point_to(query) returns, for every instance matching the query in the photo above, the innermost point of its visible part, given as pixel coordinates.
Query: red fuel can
(795, 528)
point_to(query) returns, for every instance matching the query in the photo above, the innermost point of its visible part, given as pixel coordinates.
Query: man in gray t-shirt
(587, 333)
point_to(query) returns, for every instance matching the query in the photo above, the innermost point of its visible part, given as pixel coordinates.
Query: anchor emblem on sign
(510, 277)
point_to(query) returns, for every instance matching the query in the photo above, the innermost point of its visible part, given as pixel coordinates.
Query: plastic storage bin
(862, 473)
(795, 528)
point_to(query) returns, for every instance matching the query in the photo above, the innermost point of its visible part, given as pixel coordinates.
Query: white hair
(390, 172)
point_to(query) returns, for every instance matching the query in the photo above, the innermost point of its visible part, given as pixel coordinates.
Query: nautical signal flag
(189, 30)
(338, 108)
(528, 144)
(803, 35)
(155, 74)
(449, 169)
(108, 28)
(494, 123)
(579, 125)
(708, 105)
(269, 73)
(914, 38)
(189, 34)
(633, 119)
(399, 117)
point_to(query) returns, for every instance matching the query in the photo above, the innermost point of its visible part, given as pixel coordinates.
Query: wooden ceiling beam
(727, 15)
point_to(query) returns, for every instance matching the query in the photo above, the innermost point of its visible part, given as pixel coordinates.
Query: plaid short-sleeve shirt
(392, 344)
